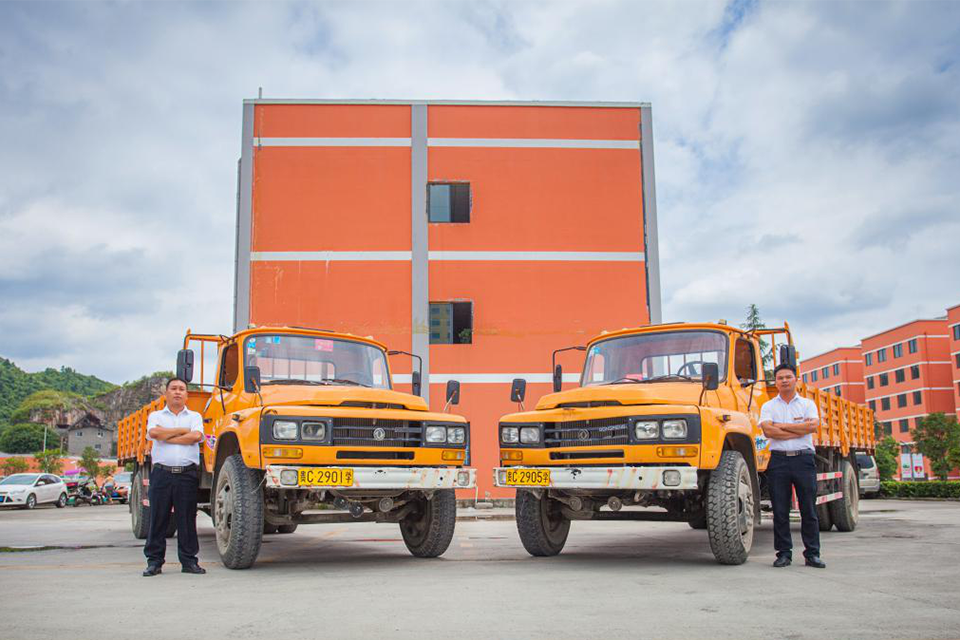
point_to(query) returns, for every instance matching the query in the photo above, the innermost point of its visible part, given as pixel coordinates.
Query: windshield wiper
(669, 376)
(619, 380)
(342, 381)
(291, 381)
(326, 382)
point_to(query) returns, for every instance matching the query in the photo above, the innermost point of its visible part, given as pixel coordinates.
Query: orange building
(953, 327)
(839, 371)
(480, 236)
(907, 374)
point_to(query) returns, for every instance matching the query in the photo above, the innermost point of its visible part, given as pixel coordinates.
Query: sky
(807, 154)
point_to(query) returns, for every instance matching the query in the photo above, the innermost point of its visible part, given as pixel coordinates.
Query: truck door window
(745, 362)
(230, 366)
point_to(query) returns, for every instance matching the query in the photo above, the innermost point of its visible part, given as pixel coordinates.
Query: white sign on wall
(906, 467)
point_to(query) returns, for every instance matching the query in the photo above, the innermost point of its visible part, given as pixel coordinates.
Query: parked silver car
(27, 490)
(869, 475)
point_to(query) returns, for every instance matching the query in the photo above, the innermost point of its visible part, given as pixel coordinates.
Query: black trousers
(179, 492)
(800, 473)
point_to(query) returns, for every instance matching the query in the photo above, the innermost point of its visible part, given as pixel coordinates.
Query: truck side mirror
(557, 378)
(788, 355)
(185, 364)
(453, 392)
(251, 379)
(518, 390)
(710, 372)
(416, 384)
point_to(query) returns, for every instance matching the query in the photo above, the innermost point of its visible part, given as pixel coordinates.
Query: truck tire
(286, 528)
(823, 516)
(699, 522)
(238, 511)
(730, 509)
(542, 526)
(139, 514)
(427, 531)
(269, 528)
(845, 512)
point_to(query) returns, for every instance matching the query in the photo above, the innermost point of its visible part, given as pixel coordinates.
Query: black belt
(801, 452)
(187, 469)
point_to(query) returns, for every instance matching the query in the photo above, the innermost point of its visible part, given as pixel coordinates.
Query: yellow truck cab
(303, 426)
(667, 416)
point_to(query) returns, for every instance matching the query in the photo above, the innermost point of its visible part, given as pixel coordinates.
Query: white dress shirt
(175, 455)
(799, 409)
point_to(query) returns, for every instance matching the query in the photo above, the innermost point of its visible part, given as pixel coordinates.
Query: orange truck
(667, 417)
(303, 426)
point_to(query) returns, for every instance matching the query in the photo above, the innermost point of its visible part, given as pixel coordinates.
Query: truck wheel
(238, 509)
(286, 528)
(269, 528)
(730, 509)
(823, 516)
(699, 522)
(139, 514)
(427, 532)
(845, 512)
(542, 526)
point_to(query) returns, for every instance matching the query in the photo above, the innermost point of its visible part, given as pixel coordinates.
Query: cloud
(805, 152)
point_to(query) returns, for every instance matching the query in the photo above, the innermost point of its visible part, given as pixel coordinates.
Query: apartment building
(953, 330)
(480, 236)
(839, 371)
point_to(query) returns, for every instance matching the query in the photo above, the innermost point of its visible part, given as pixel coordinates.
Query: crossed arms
(175, 435)
(788, 430)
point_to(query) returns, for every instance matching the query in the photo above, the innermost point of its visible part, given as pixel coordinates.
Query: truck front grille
(579, 433)
(363, 432)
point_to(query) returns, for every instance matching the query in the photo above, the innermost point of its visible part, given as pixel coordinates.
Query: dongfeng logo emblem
(379, 434)
(583, 434)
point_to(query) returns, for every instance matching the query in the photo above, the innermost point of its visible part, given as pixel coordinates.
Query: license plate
(325, 478)
(529, 477)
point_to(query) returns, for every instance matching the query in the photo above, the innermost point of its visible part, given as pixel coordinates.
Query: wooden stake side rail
(843, 424)
(132, 443)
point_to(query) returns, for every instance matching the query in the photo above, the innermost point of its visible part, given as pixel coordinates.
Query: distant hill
(16, 384)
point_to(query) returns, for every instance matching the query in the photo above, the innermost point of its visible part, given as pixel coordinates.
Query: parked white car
(27, 490)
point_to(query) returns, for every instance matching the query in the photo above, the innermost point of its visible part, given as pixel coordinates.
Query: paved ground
(897, 576)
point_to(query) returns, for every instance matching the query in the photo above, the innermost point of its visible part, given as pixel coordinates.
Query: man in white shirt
(789, 420)
(174, 479)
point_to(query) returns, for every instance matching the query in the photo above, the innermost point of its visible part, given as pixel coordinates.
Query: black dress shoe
(815, 561)
(152, 570)
(782, 561)
(193, 569)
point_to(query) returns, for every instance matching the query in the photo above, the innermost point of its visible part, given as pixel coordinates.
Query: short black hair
(176, 379)
(783, 365)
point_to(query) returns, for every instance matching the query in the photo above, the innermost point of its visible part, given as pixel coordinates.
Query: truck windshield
(668, 355)
(286, 359)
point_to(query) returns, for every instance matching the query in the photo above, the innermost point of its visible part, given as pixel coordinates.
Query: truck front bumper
(640, 478)
(423, 478)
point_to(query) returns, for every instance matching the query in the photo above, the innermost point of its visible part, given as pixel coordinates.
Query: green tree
(26, 438)
(90, 462)
(11, 466)
(936, 437)
(752, 323)
(887, 456)
(49, 461)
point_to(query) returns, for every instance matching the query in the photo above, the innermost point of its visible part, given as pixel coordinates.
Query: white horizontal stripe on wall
(558, 256)
(909, 391)
(906, 366)
(331, 142)
(904, 341)
(534, 143)
(498, 378)
(329, 256)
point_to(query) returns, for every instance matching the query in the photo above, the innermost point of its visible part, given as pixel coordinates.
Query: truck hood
(276, 394)
(676, 393)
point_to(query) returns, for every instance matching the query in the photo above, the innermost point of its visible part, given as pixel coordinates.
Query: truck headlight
(456, 435)
(674, 428)
(285, 430)
(510, 435)
(530, 435)
(645, 429)
(436, 434)
(314, 431)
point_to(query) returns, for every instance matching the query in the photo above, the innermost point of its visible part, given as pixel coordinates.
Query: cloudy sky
(807, 154)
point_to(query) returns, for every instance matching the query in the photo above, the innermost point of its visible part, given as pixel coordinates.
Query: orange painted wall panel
(525, 310)
(543, 199)
(331, 121)
(363, 298)
(331, 198)
(472, 121)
